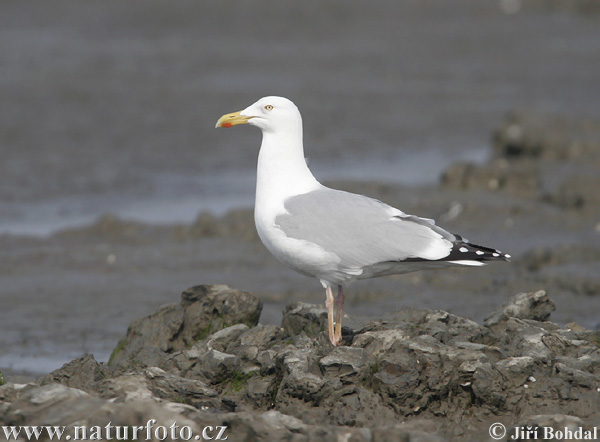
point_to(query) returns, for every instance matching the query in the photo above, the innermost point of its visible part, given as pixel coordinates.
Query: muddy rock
(518, 179)
(302, 317)
(549, 137)
(541, 157)
(415, 375)
(110, 228)
(56, 404)
(203, 310)
(577, 192)
(80, 373)
(236, 223)
(537, 306)
(539, 258)
(570, 147)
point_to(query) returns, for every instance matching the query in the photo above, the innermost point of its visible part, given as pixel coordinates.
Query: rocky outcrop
(568, 149)
(547, 137)
(415, 375)
(203, 310)
(237, 224)
(535, 306)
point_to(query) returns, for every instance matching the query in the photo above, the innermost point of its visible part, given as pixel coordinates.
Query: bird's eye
(268, 107)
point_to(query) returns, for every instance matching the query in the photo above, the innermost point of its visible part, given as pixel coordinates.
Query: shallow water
(110, 106)
(179, 198)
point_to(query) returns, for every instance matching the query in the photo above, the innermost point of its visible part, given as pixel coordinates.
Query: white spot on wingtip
(506, 255)
(463, 249)
(495, 254)
(479, 252)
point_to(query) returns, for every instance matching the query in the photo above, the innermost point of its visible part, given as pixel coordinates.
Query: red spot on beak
(226, 125)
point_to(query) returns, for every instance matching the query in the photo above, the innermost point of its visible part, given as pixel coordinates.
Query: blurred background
(116, 191)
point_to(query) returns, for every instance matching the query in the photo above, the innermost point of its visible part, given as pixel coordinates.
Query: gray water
(110, 106)
(180, 198)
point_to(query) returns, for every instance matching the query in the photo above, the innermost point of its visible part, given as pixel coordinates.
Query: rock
(273, 425)
(519, 179)
(344, 363)
(551, 159)
(156, 383)
(534, 305)
(422, 431)
(312, 320)
(236, 223)
(548, 137)
(52, 403)
(80, 373)
(110, 228)
(56, 404)
(203, 310)
(517, 371)
(218, 366)
(415, 375)
(221, 339)
(577, 192)
(300, 316)
(576, 377)
(541, 257)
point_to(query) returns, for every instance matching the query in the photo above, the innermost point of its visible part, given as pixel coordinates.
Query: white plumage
(333, 235)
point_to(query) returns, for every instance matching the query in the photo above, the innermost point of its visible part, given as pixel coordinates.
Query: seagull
(335, 236)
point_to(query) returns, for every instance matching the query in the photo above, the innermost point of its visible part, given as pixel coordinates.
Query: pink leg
(339, 305)
(329, 305)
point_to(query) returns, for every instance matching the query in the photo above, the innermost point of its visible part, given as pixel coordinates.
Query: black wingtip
(466, 251)
(462, 250)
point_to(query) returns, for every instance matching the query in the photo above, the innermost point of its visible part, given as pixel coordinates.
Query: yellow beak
(232, 119)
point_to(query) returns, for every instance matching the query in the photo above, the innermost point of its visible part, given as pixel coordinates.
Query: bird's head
(269, 113)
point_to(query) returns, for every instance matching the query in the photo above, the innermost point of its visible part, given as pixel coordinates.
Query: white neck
(282, 171)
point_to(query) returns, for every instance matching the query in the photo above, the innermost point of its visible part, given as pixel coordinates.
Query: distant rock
(578, 192)
(237, 223)
(548, 137)
(517, 179)
(415, 375)
(109, 227)
(545, 157)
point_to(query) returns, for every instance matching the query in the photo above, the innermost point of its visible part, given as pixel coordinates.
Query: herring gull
(332, 235)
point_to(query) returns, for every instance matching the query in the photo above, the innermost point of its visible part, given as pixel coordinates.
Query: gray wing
(362, 231)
